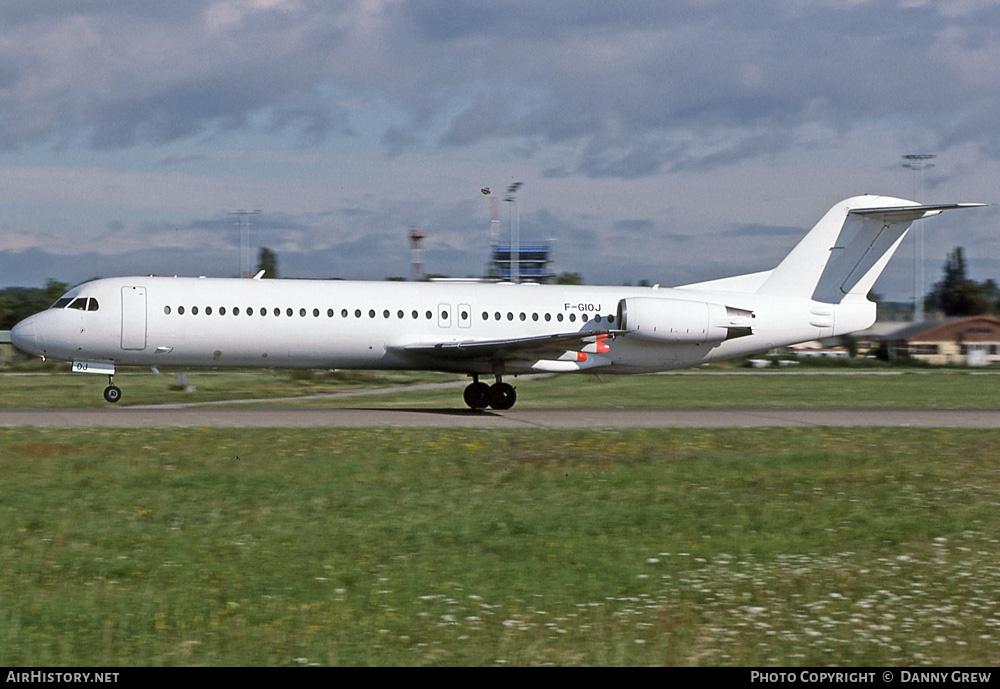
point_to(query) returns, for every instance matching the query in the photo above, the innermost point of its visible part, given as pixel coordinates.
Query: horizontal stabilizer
(893, 214)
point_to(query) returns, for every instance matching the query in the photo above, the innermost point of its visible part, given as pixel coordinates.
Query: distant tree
(17, 303)
(569, 279)
(267, 261)
(53, 290)
(991, 291)
(957, 295)
(8, 309)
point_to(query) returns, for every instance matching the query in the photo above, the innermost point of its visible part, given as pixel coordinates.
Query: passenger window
(249, 310)
(302, 313)
(385, 314)
(194, 310)
(222, 310)
(522, 316)
(371, 313)
(572, 318)
(289, 312)
(415, 314)
(166, 310)
(430, 315)
(236, 310)
(315, 313)
(534, 316)
(510, 316)
(548, 317)
(343, 313)
(496, 316)
(277, 311)
(399, 314)
(208, 310)
(559, 317)
(611, 319)
(583, 317)
(329, 313)
(357, 313)
(180, 310)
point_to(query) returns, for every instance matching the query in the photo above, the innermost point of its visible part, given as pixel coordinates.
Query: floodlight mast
(918, 162)
(515, 233)
(494, 228)
(243, 221)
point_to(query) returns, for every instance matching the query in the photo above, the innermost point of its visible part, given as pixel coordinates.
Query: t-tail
(845, 252)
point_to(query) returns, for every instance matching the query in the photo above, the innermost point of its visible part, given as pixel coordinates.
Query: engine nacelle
(677, 320)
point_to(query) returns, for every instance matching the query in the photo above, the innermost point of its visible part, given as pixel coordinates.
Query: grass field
(699, 389)
(354, 547)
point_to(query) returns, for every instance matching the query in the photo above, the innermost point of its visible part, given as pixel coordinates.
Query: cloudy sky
(667, 141)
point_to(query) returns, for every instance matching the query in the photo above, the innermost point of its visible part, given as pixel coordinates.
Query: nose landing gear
(112, 393)
(499, 396)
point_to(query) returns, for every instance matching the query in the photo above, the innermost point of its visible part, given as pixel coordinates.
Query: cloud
(351, 120)
(627, 83)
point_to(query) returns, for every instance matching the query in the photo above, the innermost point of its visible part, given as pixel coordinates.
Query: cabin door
(133, 318)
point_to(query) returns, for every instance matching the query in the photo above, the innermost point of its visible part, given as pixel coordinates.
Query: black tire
(477, 395)
(112, 393)
(502, 396)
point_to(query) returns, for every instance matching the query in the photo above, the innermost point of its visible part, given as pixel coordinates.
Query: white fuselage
(163, 321)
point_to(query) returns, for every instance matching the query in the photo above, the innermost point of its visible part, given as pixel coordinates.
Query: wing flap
(519, 348)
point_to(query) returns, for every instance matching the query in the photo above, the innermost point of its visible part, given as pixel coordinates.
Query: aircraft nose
(24, 337)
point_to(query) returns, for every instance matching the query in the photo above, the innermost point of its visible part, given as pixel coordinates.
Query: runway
(236, 417)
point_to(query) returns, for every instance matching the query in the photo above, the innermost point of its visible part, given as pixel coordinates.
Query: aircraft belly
(277, 344)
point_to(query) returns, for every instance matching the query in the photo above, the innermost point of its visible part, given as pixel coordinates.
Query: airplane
(818, 290)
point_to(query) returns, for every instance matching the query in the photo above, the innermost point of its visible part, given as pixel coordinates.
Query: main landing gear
(499, 396)
(112, 393)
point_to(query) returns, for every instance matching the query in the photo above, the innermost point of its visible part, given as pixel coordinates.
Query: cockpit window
(78, 303)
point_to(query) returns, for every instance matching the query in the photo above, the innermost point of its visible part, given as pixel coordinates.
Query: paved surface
(219, 417)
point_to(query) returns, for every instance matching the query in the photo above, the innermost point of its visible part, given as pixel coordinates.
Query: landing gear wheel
(477, 395)
(502, 396)
(112, 393)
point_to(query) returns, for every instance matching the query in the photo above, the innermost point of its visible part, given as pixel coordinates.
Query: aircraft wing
(519, 348)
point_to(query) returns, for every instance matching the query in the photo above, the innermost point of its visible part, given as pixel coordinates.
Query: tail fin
(848, 248)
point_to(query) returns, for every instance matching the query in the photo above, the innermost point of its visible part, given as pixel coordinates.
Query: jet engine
(677, 320)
